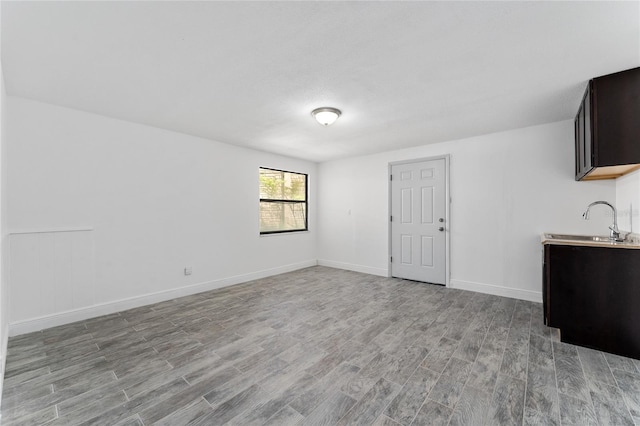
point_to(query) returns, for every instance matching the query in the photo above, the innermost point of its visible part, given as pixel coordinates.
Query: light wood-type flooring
(318, 346)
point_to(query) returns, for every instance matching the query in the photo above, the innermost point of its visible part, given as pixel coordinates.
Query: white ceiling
(249, 73)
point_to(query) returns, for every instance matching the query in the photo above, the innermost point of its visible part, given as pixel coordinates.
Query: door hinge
(390, 177)
(391, 259)
(390, 218)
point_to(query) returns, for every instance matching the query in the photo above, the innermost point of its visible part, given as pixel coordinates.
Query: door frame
(447, 218)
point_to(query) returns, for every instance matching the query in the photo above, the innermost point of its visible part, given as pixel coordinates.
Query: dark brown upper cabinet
(607, 127)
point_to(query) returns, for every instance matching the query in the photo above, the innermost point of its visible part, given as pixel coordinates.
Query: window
(283, 201)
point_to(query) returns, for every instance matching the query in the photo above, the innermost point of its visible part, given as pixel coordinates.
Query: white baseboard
(61, 318)
(353, 267)
(514, 293)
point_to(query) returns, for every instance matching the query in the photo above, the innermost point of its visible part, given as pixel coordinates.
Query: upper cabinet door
(616, 116)
(583, 136)
(607, 127)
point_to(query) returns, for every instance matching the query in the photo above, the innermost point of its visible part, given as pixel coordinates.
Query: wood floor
(318, 346)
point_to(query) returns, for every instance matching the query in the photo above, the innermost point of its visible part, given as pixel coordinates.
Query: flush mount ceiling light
(326, 115)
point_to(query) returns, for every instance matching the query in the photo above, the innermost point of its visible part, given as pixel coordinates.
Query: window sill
(274, 234)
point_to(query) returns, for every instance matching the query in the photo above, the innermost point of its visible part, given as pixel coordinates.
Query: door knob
(441, 220)
(441, 229)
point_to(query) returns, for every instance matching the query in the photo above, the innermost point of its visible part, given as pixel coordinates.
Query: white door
(418, 221)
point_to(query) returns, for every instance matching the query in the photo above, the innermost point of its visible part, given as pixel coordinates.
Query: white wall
(157, 201)
(507, 188)
(4, 294)
(628, 202)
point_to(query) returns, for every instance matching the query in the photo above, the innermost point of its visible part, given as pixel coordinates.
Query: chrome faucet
(615, 232)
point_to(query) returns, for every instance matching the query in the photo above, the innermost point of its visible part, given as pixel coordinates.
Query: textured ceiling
(249, 73)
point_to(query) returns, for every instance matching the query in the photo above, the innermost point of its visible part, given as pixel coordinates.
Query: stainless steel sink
(595, 238)
(629, 241)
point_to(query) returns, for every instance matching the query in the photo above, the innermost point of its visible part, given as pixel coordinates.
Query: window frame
(277, 200)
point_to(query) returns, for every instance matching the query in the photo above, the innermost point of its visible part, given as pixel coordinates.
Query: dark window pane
(278, 185)
(271, 184)
(297, 187)
(278, 216)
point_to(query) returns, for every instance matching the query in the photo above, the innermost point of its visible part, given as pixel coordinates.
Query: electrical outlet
(188, 270)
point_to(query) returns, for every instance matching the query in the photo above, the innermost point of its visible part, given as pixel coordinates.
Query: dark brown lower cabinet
(592, 294)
